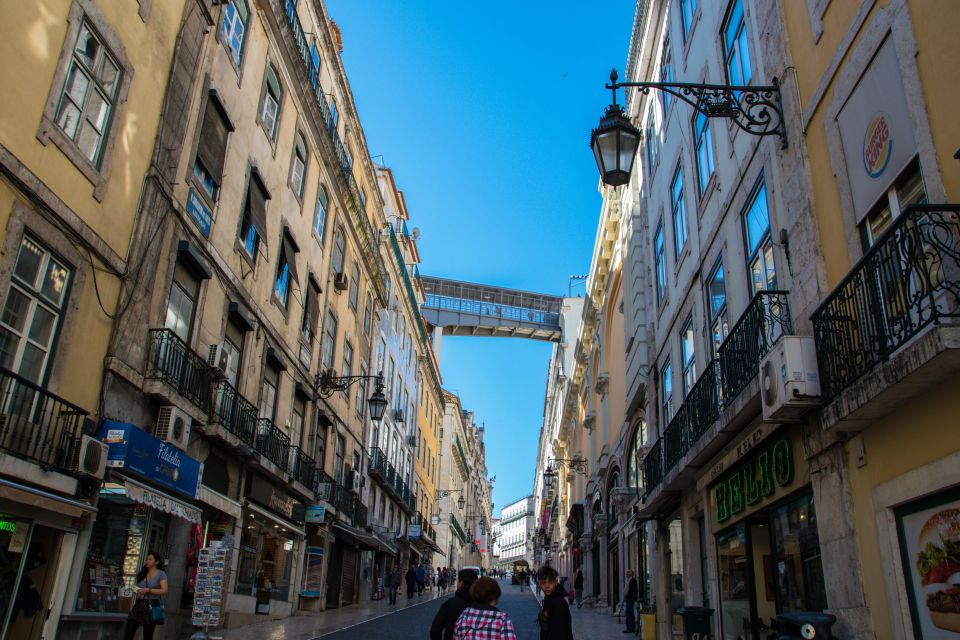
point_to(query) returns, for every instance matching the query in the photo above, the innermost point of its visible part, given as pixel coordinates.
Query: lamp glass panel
(607, 141)
(628, 149)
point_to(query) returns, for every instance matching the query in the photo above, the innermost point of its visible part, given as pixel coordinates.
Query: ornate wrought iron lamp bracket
(577, 465)
(754, 109)
(327, 384)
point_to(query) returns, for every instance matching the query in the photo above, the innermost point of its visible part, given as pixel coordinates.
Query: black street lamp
(549, 477)
(756, 110)
(326, 384)
(443, 493)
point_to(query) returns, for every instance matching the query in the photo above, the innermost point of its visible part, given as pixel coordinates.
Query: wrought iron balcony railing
(174, 362)
(457, 529)
(908, 280)
(302, 467)
(38, 425)
(359, 513)
(234, 412)
(378, 462)
(272, 443)
(699, 410)
(765, 321)
(341, 499)
(653, 467)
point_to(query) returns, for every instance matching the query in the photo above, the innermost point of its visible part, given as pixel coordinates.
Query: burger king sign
(877, 145)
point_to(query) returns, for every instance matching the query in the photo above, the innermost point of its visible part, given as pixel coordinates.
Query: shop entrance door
(26, 615)
(334, 574)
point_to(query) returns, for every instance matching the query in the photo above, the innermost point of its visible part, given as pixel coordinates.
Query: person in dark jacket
(578, 588)
(630, 601)
(411, 577)
(393, 583)
(554, 619)
(443, 623)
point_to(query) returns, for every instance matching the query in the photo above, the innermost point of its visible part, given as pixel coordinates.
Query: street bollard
(697, 622)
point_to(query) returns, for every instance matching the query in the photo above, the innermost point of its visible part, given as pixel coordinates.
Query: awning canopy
(161, 501)
(44, 499)
(353, 535)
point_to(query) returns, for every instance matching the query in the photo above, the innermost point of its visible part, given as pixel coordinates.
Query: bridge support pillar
(436, 338)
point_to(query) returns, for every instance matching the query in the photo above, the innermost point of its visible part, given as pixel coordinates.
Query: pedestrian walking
(394, 578)
(554, 619)
(481, 620)
(630, 601)
(411, 579)
(442, 580)
(443, 623)
(578, 588)
(421, 577)
(151, 587)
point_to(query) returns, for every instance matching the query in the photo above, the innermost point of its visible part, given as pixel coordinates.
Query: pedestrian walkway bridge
(465, 309)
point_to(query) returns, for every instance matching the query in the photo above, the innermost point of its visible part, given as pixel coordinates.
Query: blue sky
(483, 111)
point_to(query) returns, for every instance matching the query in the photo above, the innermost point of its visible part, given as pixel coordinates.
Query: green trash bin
(697, 622)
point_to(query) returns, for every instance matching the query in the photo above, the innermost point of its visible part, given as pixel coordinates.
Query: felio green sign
(755, 480)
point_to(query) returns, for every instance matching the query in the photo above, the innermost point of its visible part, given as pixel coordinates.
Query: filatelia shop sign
(133, 449)
(767, 469)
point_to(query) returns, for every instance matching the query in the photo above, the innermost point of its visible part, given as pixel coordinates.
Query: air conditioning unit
(92, 461)
(789, 382)
(340, 281)
(173, 426)
(356, 482)
(217, 359)
(411, 441)
(398, 415)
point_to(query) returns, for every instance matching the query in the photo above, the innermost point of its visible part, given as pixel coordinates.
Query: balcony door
(181, 303)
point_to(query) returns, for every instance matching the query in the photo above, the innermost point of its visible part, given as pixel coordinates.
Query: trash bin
(806, 625)
(696, 622)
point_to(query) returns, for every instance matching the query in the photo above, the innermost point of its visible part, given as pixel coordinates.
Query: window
(253, 226)
(634, 478)
(234, 28)
(363, 199)
(362, 393)
(704, 150)
(298, 166)
(717, 306)
(689, 356)
(340, 452)
(281, 284)
(736, 50)
(347, 361)
(687, 9)
(651, 137)
(233, 352)
(314, 63)
(666, 392)
(320, 215)
(354, 286)
(211, 149)
(268, 394)
(321, 450)
(756, 229)
(89, 95)
(270, 103)
(368, 315)
(311, 312)
(666, 75)
(181, 303)
(659, 260)
(339, 249)
(334, 116)
(297, 412)
(329, 341)
(908, 190)
(679, 212)
(32, 310)
(381, 354)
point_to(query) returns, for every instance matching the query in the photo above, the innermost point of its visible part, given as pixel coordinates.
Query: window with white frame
(362, 393)
(268, 393)
(270, 103)
(298, 165)
(736, 49)
(354, 286)
(339, 249)
(666, 392)
(660, 261)
(347, 359)
(666, 74)
(678, 212)
(233, 29)
(368, 314)
(689, 355)
(33, 310)
(89, 94)
(182, 302)
(320, 214)
(329, 340)
(650, 137)
(756, 230)
(717, 306)
(704, 150)
(908, 189)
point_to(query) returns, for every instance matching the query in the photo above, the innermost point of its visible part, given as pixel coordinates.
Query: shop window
(182, 302)
(233, 29)
(329, 340)
(675, 538)
(270, 103)
(717, 306)
(908, 189)
(33, 310)
(736, 49)
(689, 356)
(268, 394)
(267, 558)
(211, 148)
(799, 569)
(320, 214)
(756, 229)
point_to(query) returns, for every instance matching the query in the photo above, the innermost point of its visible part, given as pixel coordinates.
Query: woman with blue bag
(150, 589)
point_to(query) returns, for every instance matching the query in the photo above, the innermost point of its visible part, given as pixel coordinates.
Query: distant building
(514, 532)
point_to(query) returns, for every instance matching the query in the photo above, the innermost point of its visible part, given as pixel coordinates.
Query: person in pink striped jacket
(481, 620)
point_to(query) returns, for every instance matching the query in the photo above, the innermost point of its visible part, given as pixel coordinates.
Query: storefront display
(29, 556)
(213, 563)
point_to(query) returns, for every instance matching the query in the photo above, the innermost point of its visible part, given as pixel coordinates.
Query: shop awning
(220, 502)
(297, 529)
(361, 538)
(43, 499)
(161, 501)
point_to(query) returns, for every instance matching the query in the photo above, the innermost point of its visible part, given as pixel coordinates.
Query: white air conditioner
(217, 359)
(356, 482)
(173, 426)
(340, 281)
(789, 382)
(93, 458)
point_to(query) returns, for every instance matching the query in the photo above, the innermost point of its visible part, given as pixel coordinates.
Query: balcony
(877, 319)
(359, 513)
(234, 413)
(457, 529)
(302, 468)
(700, 410)
(39, 426)
(342, 500)
(272, 444)
(173, 362)
(765, 321)
(392, 482)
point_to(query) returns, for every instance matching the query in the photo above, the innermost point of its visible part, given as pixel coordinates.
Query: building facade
(514, 533)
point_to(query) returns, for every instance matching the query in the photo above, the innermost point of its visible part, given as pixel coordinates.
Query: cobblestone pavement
(411, 619)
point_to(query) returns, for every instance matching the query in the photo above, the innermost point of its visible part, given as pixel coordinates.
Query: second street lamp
(326, 384)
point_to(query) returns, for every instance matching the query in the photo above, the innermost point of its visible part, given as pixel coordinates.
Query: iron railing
(272, 443)
(302, 467)
(765, 321)
(234, 412)
(359, 513)
(341, 499)
(457, 528)
(653, 468)
(175, 363)
(378, 462)
(38, 425)
(700, 409)
(906, 281)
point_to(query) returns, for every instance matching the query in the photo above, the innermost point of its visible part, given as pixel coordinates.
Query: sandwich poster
(930, 546)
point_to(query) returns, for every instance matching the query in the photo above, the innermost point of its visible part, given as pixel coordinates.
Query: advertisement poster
(929, 532)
